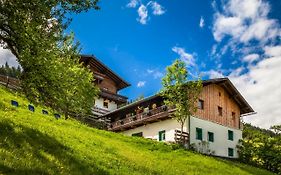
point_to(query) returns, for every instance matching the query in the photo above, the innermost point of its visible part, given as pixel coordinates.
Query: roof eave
(121, 84)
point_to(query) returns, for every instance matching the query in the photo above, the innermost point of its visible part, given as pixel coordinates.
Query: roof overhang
(119, 99)
(98, 65)
(233, 93)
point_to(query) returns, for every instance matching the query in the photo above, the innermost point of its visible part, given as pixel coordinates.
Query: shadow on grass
(24, 150)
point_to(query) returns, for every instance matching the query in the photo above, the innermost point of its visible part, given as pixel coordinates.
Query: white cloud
(272, 50)
(213, 74)
(251, 58)
(132, 4)
(155, 73)
(143, 14)
(144, 9)
(202, 22)
(7, 56)
(141, 84)
(261, 87)
(157, 8)
(245, 29)
(261, 30)
(244, 21)
(186, 57)
(227, 26)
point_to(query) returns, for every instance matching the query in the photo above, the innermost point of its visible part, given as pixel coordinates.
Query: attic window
(201, 104)
(105, 103)
(220, 110)
(233, 115)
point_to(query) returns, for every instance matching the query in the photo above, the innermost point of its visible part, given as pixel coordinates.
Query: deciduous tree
(34, 32)
(179, 93)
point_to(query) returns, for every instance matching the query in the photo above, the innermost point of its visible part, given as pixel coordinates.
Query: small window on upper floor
(233, 115)
(219, 94)
(105, 103)
(201, 104)
(220, 110)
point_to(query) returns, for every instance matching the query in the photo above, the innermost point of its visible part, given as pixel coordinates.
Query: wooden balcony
(99, 111)
(143, 118)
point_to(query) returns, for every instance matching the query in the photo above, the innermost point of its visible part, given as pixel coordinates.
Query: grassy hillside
(32, 143)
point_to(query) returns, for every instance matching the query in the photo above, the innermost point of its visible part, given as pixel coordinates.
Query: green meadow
(33, 143)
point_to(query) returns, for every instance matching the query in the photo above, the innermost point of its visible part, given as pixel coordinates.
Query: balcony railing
(181, 137)
(145, 117)
(99, 111)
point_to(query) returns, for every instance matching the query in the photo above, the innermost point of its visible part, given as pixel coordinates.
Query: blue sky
(140, 52)
(240, 39)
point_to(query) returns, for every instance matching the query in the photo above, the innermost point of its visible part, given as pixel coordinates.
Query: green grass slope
(32, 143)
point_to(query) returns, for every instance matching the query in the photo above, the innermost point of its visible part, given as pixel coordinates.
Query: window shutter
(210, 136)
(199, 134)
(230, 135)
(230, 152)
(162, 135)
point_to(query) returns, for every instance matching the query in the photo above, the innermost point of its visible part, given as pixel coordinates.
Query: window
(233, 115)
(230, 152)
(220, 110)
(219, 93)
(199, 133)
(161, 135)
(230, 135)
(139, 134)
(210, 136)
(201, 104)
(105, 103)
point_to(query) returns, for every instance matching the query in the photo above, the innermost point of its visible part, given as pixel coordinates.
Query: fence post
(7, 84)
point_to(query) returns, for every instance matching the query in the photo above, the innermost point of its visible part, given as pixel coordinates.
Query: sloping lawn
(33, 143)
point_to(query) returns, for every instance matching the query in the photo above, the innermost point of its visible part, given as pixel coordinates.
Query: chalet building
(109, 83)
(215, 129)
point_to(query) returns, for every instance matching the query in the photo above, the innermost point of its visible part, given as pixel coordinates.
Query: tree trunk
(66, 115)
(181, 138)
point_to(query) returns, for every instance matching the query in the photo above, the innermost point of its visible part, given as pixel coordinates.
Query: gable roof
(97, 64)
(233, 92)
(224, 82)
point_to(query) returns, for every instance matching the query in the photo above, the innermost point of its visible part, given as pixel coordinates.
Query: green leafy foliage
(179, 92)
(261, 147)
(32, 143)
(34, 32)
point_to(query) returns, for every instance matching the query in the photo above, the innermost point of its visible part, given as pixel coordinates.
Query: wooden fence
(9, 82)
(181, 139)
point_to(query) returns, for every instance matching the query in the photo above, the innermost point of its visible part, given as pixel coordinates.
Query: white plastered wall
(151, 130)
(111, 105)
(221, 143)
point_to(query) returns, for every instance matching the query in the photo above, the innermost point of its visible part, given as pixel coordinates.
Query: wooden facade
(108, 82)
(221, 103)
(215, 97)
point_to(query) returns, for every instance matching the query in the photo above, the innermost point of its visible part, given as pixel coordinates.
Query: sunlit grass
(33, 143)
